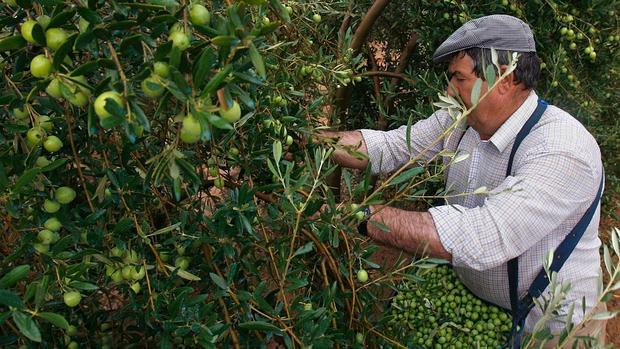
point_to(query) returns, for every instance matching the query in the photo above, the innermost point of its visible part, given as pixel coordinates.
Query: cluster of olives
(129, 270)
(51, 232)
(439, 312)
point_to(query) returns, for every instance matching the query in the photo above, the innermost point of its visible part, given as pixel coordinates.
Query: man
(555, 176)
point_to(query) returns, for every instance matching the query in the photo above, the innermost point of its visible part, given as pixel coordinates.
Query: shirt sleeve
(550, 191)
(388, 150)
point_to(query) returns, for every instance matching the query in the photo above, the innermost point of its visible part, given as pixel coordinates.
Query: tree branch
(405, 55)
(343, 94)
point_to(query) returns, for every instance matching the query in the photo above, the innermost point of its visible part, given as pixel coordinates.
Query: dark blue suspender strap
(525, 130)
(518, 314)
(541, 281)
(567, 246)
(521, 308)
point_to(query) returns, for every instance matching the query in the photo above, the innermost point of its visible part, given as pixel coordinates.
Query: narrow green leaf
(295, 284)
(252, 79)
(91, 120)
(41, 291)
(38, 34)
(12, 43)
(56, 319)
(217, 80)
(184, 274)
(257, 60)
(154, 5)
(218, 122)
(407, 175)
(121, 25)
(131, 40)
(62, 51)
(203, 66)
(85, 286)
(277, 151)
(408, 133)
(607, 258)
(16, 274)
(605, 315)
(439, 261)
(61, 19)
(384, 228)
(494, 59)
(176, 188)
(614, 241)
(140, 116)
(225, 40)
(89, 15)
(25, 179)
(166, 229)
(259, 326)
(489, 75)
(27, 326)
(83, 40)
(10, 299)
(475, 92)
(117, 116)
(125, 224)
(189, 170)
(304, 249)
(219, 281)
(272, 168)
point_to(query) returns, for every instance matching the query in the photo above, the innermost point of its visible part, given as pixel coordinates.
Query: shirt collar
(509, 129)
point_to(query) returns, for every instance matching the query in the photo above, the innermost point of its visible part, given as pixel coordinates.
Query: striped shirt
(556, 175)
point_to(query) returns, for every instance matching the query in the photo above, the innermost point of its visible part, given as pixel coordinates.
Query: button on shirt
(555, 177)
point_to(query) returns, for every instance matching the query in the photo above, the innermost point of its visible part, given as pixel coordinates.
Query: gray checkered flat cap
(501, 32)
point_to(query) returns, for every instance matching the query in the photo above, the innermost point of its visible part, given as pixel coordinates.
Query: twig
(326, 283)
(350, 278)
(77, 159)
(233, 333)
(381, 121)
(343, 94)
(400, 68)
(343, 27)
(148, 286)
(119, 67)
(389, 73)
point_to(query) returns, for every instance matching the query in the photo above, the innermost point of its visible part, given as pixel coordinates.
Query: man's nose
(452, 91)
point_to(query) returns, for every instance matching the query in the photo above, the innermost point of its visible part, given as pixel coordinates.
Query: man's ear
(508, 82)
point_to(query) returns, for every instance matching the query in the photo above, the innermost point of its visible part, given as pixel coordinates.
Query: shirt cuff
(451, 234)
(374, 140)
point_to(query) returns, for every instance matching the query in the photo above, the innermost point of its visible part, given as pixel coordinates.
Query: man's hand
(350, 147)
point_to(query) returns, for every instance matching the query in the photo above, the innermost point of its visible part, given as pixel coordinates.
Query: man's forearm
(348, 143)
(410, 231)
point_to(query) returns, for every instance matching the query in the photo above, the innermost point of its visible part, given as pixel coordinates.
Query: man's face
(462, 79)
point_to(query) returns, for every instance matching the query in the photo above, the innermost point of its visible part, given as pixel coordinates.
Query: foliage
(190, 224)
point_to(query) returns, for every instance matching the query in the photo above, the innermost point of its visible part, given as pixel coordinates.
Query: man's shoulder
(559, 131)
